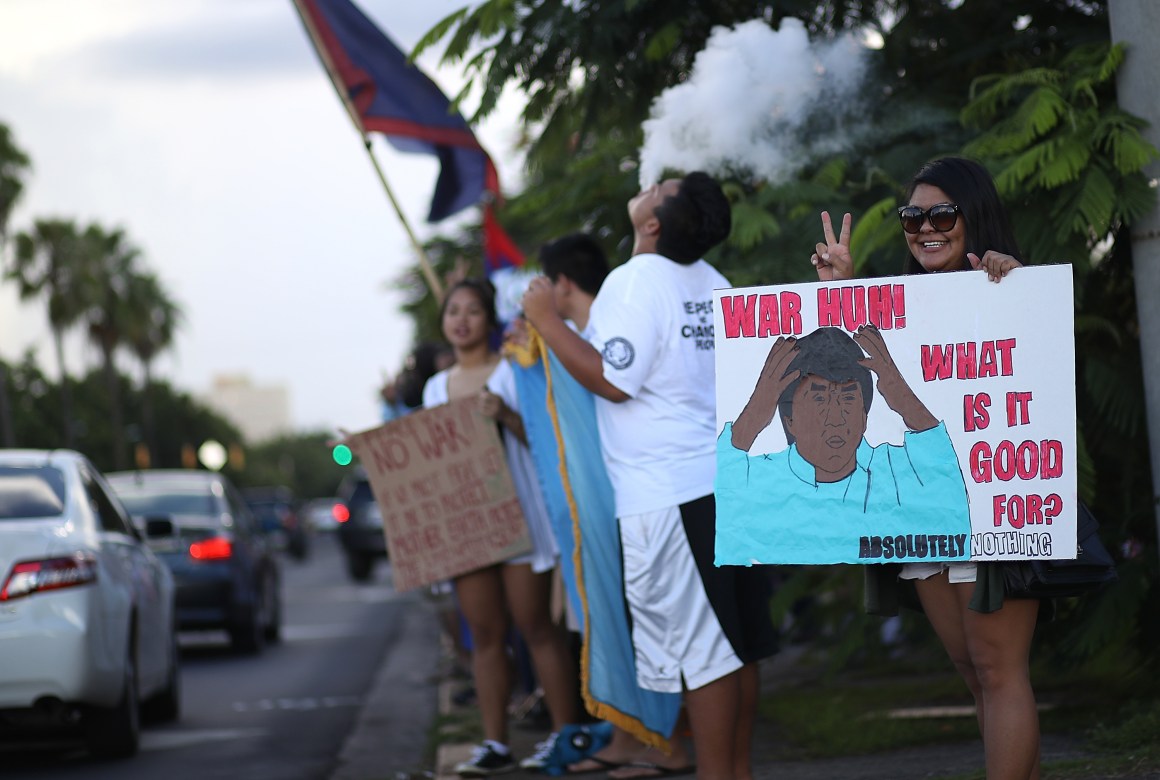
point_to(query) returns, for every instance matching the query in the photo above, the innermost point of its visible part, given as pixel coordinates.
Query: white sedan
(87, 625)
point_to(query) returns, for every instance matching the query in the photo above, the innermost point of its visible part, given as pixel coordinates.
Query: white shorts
(957, 571)
(676, 635)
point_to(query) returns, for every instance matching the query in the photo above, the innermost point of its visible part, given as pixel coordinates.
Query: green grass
(845, 715)
(817, 720)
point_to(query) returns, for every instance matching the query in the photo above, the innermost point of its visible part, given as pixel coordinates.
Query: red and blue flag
(387, 94)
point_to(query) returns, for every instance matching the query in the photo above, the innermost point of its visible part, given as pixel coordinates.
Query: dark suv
(277, 513)
(361, 533)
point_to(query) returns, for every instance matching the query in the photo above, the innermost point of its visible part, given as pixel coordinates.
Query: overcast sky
(208, 130)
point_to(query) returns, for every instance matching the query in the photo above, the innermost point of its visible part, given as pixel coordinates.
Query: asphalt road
(288, 713)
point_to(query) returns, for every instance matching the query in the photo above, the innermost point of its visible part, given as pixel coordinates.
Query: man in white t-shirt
(648, 358)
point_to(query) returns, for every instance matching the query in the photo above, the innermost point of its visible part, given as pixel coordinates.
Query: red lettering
(975, 414)
(791, 314)
(937, 362)
(853, 307)
(769, 325)
(1006, 347)
(390, 455)
(829, 307)
(1051, 458)
(737, 311)
(880, 306)
(966, 359)
(1027, 460)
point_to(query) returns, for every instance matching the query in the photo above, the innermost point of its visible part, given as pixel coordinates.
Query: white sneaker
(486, 761)
(538, 760)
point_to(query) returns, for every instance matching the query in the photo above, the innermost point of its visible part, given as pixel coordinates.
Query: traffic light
(342, 454)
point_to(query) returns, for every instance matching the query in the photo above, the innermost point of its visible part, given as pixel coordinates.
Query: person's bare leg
(749, 693)
(943, 608)
(528, 597)
(999, 644)
(713, 715)
(481, 599)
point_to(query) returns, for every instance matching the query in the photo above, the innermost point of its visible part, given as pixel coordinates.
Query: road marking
(327, 631)
(303, 704)
(168, 740)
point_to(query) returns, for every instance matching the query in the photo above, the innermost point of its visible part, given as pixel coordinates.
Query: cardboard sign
(441, 480)
(965, 449)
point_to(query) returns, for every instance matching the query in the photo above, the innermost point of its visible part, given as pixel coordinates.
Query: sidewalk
(408, 694)
(935, 761)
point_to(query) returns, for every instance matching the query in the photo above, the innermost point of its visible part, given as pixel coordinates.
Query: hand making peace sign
(832, 259)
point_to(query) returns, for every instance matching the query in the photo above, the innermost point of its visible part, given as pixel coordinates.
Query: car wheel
(273, 629)
(247, 633)
(116, 732)
(165, 707)
(299, 548)
(360, 566)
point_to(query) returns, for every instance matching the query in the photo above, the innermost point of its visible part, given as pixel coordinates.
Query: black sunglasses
(942, 216)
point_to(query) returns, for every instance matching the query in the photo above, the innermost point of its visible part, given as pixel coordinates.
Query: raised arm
(771, 383)
(891, 384)
(579, 357)
(832, 259)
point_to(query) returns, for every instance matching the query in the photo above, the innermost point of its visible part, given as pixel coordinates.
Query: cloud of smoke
(748, 101)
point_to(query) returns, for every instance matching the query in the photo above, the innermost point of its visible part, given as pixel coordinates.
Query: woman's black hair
(969, 185)
(421, 365)
(483, 290)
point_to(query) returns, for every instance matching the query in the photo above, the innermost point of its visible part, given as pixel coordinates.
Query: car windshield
(31, 492)
(185, 502)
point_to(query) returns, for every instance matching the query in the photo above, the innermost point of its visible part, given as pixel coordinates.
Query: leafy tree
(301, 462)
(109, 312)
(1026, 86)
(182, 422)
(48, 263)
(149, 332)
(13, 167)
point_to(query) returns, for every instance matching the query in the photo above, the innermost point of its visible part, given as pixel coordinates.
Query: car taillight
(341, 513)
(214, 548)
(28, 577)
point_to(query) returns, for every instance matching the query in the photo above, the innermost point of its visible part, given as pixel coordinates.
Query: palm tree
(155, 319)
(13, 165)
(110, 263)
(48, 262)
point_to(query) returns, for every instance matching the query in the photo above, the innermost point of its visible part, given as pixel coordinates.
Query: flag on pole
(386, 94)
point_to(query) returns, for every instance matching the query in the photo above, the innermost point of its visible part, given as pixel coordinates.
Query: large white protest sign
(441, 480)
(943, 431)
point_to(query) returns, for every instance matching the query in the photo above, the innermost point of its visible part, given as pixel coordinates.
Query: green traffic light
(342, 455)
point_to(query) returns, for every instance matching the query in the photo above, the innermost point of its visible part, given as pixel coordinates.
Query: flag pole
(424, 261)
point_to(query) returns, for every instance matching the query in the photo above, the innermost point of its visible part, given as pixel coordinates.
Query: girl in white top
(520, 586)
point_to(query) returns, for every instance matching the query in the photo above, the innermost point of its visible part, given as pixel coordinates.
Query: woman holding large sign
(520, 585)
(953, 220)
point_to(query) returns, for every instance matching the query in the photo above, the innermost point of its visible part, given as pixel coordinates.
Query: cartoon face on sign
(821, 386)
(824, 410)
(974, 419)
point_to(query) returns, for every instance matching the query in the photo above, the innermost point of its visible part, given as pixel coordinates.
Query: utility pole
(1136, 23)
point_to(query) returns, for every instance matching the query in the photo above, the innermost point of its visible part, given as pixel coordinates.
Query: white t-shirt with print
(652, 322)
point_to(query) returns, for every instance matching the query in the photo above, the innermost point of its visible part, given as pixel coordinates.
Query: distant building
(260, 412)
